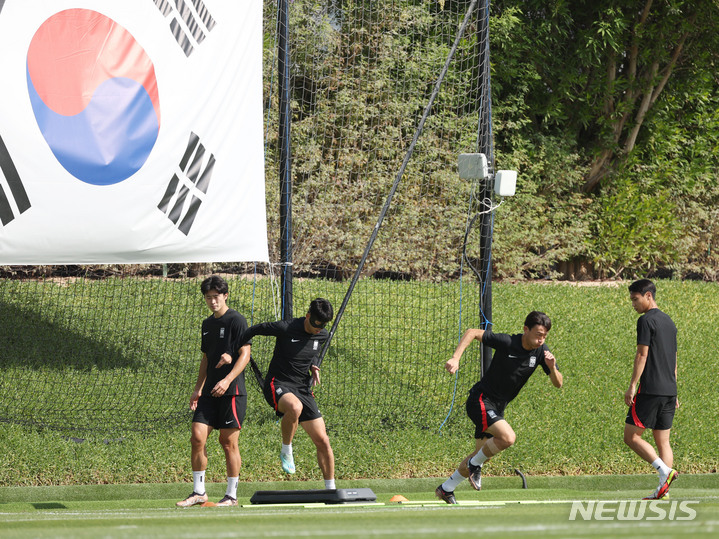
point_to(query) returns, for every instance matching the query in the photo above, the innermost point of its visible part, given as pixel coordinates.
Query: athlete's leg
(291, 408)
(317, 432)
(661, 437)
(503, 436)
(479, 444)
(633, 438)
(229, 442)
(198, 439)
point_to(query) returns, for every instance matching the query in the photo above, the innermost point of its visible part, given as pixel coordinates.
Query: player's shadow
(30, 340)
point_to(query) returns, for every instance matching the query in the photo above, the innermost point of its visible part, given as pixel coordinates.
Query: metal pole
(485, 147)
(283, 67)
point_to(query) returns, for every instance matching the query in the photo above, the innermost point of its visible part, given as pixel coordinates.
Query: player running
(292, 371)
(653, 403)
(515, 359)
(219, 399)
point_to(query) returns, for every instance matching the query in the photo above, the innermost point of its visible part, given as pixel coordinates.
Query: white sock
(330, 484)
(454, 480)
(286, 449)
(479, 459)
(199, 479)
(662, 468)
(232, 487)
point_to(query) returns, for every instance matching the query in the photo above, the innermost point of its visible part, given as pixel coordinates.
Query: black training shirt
(657, 331)
(220, 335)
(511, 366)
(295, 350)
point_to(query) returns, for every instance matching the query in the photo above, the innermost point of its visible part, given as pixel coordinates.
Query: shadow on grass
(30, 340)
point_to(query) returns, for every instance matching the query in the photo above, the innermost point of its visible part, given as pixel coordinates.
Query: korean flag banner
(131, 132)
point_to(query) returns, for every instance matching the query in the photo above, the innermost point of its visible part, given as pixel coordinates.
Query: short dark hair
(642, 286)
(321, 310)
(214, 282)
(538, 318)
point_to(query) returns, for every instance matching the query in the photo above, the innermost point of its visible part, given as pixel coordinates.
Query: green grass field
(502, 507)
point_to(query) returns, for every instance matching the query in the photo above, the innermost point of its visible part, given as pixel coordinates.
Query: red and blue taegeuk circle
(94, 94)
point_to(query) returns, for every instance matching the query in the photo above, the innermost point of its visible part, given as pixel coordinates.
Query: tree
(598, 67)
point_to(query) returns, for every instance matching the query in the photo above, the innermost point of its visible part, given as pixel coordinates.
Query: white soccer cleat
(192, 499)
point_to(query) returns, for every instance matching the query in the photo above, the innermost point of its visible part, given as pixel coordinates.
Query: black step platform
(340, 495)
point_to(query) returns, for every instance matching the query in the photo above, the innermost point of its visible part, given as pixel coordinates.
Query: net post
(283, 68)
(486, 219)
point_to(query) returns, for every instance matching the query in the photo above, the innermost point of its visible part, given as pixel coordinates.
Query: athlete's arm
(640, 361)
(201, 375)
(240, 364)
(272, 329)
(315, 375)
(226, 357)
(453, 364)
(554, 375)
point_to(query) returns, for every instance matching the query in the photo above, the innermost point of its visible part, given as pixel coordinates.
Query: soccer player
(219, 399)
(292, 371)
(652, 404)
(515, 359)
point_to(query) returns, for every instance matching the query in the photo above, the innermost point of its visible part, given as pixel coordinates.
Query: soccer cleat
(475, 476)
(227, 501)
(664, 487)
(192, 499)
(447, 497)
(655, 496)
(288, 463)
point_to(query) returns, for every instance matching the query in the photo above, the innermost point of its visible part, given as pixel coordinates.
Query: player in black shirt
(219, 399)
(515, 359)
(652, 404)
(292, 372)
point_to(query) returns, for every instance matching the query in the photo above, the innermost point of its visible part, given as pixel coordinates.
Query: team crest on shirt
(315, 345)
(532, 361)
(222, 333)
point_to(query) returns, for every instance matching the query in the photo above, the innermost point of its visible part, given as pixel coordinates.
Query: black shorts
(654, 412)
(226, 412)
(484, 412)
(274, 390)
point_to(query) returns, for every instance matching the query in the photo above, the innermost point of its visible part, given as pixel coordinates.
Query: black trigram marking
(189, 25)
(196, 172)
(16, 190)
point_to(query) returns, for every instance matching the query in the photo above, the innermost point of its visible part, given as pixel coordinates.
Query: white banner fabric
(131, 132)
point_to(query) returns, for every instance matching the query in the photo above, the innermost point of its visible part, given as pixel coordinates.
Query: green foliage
(636, 229)
(567, 87)
(675, 165)
(547, 221)
(577, 73)
(362, 75)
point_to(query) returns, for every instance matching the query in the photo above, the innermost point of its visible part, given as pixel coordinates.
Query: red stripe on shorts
(234, 410)
(635, 417)
(484, 412)
(274, 396)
